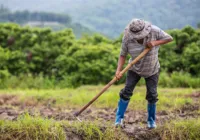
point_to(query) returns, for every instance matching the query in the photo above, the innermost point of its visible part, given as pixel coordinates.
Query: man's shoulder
(155, 28)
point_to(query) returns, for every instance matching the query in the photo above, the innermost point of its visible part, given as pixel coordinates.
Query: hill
(51, 20)
(110, 17)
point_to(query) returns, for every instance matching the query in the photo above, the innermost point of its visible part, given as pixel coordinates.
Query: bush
(178, 79)
(90, 60)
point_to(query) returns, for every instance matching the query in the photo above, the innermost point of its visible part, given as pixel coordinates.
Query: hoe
(145, 51)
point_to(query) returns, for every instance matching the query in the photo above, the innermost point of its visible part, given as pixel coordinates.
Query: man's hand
(121, 62)
(118, 75)
(151, 44)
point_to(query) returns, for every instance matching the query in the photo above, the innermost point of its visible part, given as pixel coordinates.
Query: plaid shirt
(149, 64)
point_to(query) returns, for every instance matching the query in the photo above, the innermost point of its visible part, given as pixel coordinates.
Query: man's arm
(161, 38)
(122, 58)
(158, 42)
(121, 62)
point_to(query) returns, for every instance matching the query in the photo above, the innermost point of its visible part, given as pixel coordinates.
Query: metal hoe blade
(76, 116)
(78, 119)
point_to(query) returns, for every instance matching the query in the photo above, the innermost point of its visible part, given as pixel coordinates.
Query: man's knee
(152, 97)
(125, 94)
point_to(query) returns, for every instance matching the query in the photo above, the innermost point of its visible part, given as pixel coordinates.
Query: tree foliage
(89, 60)
(183, 53)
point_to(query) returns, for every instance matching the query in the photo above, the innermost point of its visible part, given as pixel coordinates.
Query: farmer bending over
(138, 35)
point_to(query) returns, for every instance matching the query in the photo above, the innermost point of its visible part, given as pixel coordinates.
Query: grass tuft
(175, 130)
(181, 130)
(96, 131)
(28, 128)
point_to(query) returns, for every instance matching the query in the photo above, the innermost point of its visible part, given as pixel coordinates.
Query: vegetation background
(42, 58)
(55, 55)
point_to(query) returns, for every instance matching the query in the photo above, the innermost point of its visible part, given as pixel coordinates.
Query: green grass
(178, 79)
(169, 99)
(96, 130)
(181, 130)
(29, 81)
(27, 128)
(37, 128)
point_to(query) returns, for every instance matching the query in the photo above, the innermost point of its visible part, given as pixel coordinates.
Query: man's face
(140, 41)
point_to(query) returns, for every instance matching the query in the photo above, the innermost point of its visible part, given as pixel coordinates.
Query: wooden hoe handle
(113, 80)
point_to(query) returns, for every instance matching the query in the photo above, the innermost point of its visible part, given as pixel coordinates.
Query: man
(138, 35)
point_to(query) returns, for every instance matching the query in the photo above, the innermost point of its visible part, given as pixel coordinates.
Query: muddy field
(135, 121)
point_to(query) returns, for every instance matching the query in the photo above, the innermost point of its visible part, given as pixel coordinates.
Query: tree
(191, 58)
(198, 25)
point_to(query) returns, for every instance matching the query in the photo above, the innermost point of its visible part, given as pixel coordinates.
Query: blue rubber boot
(151, 115)
(122, 106)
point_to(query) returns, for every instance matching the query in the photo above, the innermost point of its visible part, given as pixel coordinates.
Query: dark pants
(151, 85)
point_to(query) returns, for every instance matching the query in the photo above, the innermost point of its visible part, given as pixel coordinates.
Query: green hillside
(110, 17)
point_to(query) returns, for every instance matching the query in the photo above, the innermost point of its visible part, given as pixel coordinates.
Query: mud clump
(190, 108)
(8, 114)
(194, 95)
(9, 99)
